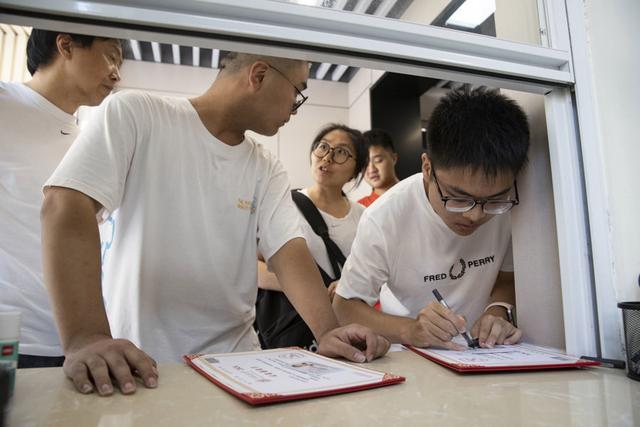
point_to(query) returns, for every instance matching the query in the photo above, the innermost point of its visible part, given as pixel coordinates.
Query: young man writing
(38, 127)
(446, 228)
(193, 200)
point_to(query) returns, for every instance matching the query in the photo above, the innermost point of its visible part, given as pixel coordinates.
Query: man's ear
(257, 72)
(426, 166)
(394, 158)
(64, 44)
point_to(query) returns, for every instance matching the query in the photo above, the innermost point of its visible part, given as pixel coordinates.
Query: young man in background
(381, 172)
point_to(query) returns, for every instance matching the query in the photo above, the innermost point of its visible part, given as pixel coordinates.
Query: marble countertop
(431, 394)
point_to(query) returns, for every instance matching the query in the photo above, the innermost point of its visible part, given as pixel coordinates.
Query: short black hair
(379, 138)
(361, 150)
(478, 129)
(42, 49)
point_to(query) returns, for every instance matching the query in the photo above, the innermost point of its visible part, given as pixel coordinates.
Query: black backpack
(277, 322)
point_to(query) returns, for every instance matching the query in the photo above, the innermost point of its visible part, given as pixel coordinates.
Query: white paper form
(501, 356)
(284, 372)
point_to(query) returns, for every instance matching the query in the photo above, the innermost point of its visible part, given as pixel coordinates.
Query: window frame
(326, 35)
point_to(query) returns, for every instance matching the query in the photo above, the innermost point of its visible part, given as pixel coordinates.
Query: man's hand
(435, 326)
(102, 358)
(492, 330)
(351, 341)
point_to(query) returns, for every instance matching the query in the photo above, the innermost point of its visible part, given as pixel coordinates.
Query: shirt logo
(459, 268)
(65, 133)
(463, 269)
(247, 205)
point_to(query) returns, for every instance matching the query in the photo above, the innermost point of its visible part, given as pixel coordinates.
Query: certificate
(515, 357)
(285, 374)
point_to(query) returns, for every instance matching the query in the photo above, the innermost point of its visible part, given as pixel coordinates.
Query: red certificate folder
(279, 375)
(518, 357)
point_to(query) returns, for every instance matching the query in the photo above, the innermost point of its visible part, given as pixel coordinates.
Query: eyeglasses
(339, 155)
(300, 98)
(465, 204)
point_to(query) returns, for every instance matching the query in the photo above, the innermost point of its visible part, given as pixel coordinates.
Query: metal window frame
(326, 35)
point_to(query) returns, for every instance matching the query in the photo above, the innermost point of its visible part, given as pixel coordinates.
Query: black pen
(470, 342)
(610, 363)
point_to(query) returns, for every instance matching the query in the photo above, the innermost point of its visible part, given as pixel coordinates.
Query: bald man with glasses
(191, 200)
(446, 228)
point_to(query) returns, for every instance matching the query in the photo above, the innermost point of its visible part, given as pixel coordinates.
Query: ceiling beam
(384, 8)
(322, 70)
(339, 4)
(338, 72)
(135, 49)
(155, 49)
(215, 58)
(175, 50)
(196, 56)
(362, 6)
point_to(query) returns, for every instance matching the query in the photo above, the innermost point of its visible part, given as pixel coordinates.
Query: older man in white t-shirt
(447, 229)
(38, 126)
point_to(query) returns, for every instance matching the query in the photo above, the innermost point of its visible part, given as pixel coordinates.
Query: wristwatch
(511, 311)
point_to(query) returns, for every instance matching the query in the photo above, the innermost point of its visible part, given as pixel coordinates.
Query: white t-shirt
(179, 273)
(341, 230)
(403, 242)
(35, 135)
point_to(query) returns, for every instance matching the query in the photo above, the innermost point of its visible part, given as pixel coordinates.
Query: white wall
(13, 55)
(613, 38)
(535, 241)
(166, 79)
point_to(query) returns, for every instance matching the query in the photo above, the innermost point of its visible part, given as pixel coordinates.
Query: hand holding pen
(490, 330)
(435, 326)
(472, 343)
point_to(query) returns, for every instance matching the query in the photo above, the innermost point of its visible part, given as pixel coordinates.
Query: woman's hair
(359, 146)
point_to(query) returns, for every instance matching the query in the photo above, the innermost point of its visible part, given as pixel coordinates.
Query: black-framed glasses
(465, 204)
(339, 155)
(300, 98)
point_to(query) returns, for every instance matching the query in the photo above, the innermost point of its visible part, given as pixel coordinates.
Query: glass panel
(513, 20)
(401, 104)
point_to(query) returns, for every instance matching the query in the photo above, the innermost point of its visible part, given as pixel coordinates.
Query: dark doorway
(395, 108)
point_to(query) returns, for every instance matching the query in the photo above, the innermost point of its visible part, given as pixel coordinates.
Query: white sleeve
(278, 217)
(98, 161)
(507, 262)
(367, 267)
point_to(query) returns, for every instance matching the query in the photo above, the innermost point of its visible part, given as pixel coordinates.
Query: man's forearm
(301, 282)
(71, 261)
(394, 328)
(504, 288)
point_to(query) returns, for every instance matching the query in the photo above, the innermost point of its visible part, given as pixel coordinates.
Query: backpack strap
(315, 220)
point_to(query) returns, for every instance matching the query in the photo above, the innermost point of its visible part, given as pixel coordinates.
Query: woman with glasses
(445, 229)
(338, 156)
